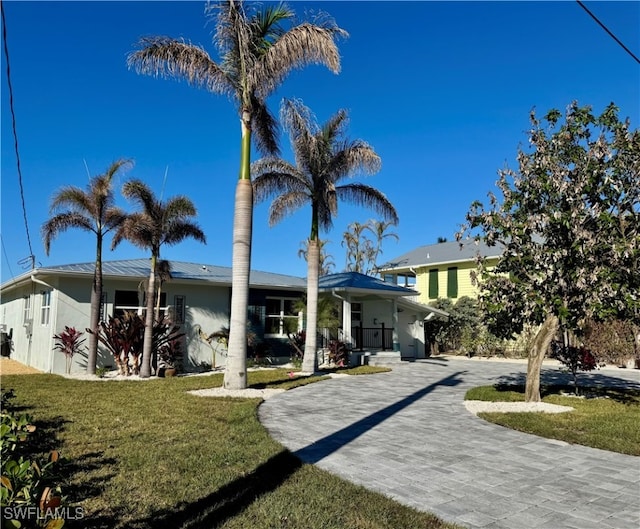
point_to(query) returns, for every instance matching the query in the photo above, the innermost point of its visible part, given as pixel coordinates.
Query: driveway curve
(408, 435)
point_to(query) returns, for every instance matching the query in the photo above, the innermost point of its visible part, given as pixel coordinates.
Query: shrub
(612, 341)
(69, 342)
(338, 353)
(27, 480)
(574, 359)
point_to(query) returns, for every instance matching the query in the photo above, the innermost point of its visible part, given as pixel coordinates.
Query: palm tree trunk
(145, 367)
(536, 355)
(94, 315)
(235, 375)
(310, 358)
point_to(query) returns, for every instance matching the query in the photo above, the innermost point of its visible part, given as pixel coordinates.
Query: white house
(39, 303)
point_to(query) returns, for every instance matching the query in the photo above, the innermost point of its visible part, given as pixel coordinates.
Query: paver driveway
(408, 435)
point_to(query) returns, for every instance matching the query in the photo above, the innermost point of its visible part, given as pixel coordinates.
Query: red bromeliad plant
(69, 342)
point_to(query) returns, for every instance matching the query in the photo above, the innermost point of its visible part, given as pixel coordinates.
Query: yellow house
(441, 270)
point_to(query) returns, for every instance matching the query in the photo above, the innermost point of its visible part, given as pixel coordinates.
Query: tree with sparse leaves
(569, 220)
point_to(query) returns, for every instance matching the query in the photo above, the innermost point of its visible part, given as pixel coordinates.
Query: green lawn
(607, 418)
(146, 454)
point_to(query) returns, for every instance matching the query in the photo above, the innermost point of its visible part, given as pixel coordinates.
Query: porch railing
(379, 337)
(362, 338)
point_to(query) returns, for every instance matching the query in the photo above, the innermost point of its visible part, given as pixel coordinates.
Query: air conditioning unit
(3, 327)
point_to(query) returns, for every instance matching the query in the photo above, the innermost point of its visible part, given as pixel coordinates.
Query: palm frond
(265, 128)
(62, 222)
(285, 205)
(370, 197)
(71, 197)
(177, 59)
(354, 157)
(300, 46)
(178, 231)
(141, 193)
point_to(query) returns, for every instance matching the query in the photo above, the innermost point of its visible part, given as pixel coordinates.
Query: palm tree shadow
(332, 442)
(228, 501)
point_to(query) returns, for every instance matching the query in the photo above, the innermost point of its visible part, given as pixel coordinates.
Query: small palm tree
(379, 229)
(159, 223)
(92, 210)
(324, 159)
(256, 54)
(359, 249)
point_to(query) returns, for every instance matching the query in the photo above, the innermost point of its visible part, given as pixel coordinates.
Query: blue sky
(441, 90)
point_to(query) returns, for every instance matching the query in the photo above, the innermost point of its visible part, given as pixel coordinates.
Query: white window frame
(280, 315)
(45, 307)
(26, 309)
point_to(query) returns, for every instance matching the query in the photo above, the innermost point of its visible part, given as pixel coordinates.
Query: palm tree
(359, 249)
(92, 210)
(324, 159)
(379, 229)
(256, 54)
(159, 223)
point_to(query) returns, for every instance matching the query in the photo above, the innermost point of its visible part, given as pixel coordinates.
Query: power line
(15, 133)
(609, 32)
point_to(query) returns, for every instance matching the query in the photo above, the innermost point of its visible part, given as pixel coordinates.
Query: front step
(384, 358)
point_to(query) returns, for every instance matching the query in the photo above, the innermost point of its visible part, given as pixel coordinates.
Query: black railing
(380, 337)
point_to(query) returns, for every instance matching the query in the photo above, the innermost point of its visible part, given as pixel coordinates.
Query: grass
(146, 454)
(607, 418)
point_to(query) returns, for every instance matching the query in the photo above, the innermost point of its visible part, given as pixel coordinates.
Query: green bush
(27, 480)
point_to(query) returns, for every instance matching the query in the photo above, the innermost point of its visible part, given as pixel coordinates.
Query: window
(356, 312)
(433, 283)
(452, 282)
(26, 309)
(45, 310)
(406, 280)
(280, 316)
(178, 303)
(126, 301)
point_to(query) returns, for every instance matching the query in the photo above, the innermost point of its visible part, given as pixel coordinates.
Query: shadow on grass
(88, 465)
(329, 444)
(218, 507)
(620, 395)
(558, 378)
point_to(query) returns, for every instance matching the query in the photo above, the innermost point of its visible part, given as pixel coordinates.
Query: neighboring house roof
(442, 253)
(139, 268)
(360, 283)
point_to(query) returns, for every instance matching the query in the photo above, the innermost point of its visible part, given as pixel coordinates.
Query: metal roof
(359, 282)
(442, 253)
(139, 268)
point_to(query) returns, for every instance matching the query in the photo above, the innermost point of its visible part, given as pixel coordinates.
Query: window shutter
(433, 283)
(452, 282)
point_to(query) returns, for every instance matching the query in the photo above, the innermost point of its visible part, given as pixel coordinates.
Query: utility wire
(609, 32)
(15, 134)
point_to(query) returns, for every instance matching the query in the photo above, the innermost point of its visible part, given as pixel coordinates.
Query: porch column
(394, 315)
(346, 320)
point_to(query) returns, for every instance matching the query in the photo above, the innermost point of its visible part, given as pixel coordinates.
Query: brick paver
(408, 435)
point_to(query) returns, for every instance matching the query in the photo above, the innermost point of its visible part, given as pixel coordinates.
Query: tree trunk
(145, 367)
(235, 374)
(536, 355)
(94, 315)
(310, 358)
